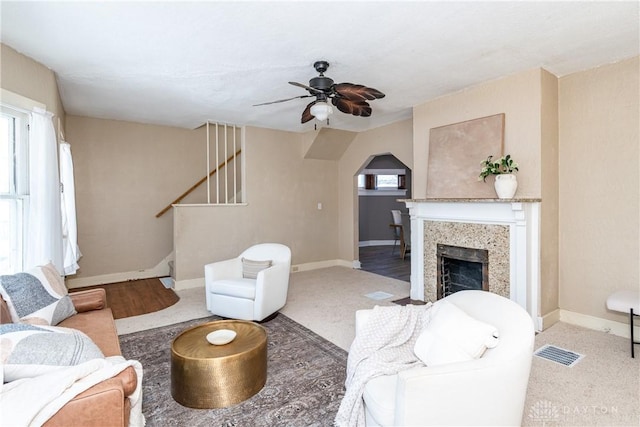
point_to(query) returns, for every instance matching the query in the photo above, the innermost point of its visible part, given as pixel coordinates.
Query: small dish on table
(221, 336)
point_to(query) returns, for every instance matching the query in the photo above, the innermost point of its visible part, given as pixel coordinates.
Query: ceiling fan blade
(306, 114)
(282, 100)
(357, 108)
(309, 88)
(357, 92)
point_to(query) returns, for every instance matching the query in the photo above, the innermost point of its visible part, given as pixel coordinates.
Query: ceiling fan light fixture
(321, 110)
(348, 98)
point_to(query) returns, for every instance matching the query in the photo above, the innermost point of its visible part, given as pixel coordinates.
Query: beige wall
(125, 173)
(396, 139)
(549, 211)
(529, 101)
(518, 96)
(283, 192)
(599, 186)
(26, 77)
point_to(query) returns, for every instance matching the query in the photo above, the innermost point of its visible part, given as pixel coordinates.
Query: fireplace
(508, 230)
(460, 269)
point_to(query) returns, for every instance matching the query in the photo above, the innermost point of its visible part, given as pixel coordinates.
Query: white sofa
(487, 391)
(230, 294)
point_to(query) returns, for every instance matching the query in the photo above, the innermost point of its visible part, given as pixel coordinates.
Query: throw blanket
(383, 346)
(32, 401)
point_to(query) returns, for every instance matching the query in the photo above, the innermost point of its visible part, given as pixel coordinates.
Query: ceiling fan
(347, 97)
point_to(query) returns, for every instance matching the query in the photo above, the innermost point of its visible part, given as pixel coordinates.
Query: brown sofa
(106, 403)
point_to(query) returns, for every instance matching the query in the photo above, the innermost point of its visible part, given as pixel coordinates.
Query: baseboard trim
(105, 279)
(321, 264)
(188, 284)
(547, 320)
(199, 282)
(366, 243)
(160, 270)
(591, 322)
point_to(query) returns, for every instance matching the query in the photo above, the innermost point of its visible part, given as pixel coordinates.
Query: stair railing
(197, 184)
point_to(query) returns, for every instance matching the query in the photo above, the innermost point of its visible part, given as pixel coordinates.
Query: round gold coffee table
(204, 375)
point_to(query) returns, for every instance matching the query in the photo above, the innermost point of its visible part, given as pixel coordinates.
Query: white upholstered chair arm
(271, 289)
(438, 391)
(228, 269)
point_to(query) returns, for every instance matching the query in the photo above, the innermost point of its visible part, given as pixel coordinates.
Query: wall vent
(558, 355)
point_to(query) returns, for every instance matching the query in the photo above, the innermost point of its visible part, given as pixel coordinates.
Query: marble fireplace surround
(508, 228)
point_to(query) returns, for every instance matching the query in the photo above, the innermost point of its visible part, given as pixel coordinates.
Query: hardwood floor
(136, 297)
(380, 260)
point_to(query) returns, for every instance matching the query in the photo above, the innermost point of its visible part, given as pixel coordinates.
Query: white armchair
(487, 391)
(230, 293)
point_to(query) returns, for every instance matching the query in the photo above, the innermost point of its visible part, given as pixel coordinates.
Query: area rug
(305, 379)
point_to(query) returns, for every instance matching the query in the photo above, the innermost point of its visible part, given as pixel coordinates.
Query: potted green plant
(504, 169)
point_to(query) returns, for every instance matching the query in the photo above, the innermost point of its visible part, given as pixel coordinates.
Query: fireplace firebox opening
(460, 269)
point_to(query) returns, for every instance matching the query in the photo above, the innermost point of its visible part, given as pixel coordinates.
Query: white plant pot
(506, 186)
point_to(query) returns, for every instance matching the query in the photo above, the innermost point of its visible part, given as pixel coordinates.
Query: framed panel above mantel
(455, 154)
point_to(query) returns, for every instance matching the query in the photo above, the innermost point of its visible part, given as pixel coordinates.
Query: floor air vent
(558, 355)
(379, 295)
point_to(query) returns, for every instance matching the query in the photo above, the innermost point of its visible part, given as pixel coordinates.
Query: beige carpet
(326, 300)
(603, 389)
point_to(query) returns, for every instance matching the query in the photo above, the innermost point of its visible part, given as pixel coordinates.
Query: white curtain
(70, 250)
(44, 229)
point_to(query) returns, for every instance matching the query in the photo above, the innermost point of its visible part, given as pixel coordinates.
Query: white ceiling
(182, 63)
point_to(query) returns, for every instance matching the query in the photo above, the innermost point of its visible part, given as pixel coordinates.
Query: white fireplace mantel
(521, 216)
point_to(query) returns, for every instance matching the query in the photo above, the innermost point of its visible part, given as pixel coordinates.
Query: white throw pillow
(251, 268)
(38, 296)
(453, 336)
(29, 350)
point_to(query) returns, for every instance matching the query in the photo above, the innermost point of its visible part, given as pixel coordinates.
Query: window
(13, 188)
(382, 182)
(387, 181)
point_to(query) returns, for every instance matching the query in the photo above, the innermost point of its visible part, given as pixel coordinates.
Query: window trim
(19, 187)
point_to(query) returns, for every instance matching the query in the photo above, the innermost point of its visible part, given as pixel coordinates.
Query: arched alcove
(375, 204)
(380, 182)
